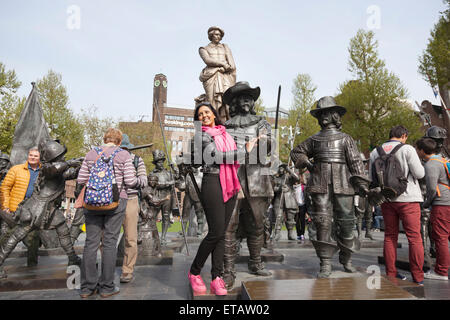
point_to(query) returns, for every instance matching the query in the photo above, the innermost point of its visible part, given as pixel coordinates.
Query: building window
(168, 117)
(189, 119)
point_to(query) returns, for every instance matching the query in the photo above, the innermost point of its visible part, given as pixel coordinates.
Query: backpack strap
(444, 162)
(114, 170)
(99, 153)
(136, 162)
(397, 147)
(381, 151)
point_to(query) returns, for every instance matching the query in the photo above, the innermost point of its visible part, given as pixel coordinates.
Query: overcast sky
(110, 58)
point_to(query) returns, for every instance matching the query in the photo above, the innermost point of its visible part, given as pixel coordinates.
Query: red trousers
(409, 214)
(440, 221)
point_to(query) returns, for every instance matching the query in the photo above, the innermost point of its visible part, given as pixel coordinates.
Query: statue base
(346, 288)
(22, 278)
(174, 245)
(267, 255)
(306, 244)
(164, 258)
(235, 293)
(22, 252)
(188, 239)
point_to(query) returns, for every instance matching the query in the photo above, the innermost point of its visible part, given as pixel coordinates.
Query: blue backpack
(102, 192)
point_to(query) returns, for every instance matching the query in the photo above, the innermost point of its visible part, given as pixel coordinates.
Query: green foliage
(10, 107)
(259, 107)
(94, 127)
(304, 100)
(303, 91)
(376, 99)
(62, 122)
(144, 133)
(434, 63)
(8, 81)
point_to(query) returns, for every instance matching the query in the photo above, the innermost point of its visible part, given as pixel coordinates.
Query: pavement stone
(169, 282)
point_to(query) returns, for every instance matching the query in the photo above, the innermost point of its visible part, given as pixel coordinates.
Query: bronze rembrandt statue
(220, 71)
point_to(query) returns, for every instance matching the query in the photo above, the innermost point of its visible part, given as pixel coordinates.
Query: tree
(303, 100)
(62, 122)
(8, 81)
(434, 63)
(144, 133)
(94, 127)
(376, 98)
(259, 107)
(10, 107)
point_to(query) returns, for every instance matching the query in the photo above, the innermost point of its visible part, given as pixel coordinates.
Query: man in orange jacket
(17, 186)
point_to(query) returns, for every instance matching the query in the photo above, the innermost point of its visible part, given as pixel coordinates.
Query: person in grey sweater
(437, 196)
(406, 207)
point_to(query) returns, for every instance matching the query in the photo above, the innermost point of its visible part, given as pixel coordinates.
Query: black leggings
(300, 223)
(218, 216)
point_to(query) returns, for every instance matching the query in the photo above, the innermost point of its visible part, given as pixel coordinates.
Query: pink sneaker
(197, 284)
(218, 287)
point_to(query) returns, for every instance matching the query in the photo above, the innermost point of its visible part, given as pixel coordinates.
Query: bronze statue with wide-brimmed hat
(254, 177)
(327, 104)
(337, 173)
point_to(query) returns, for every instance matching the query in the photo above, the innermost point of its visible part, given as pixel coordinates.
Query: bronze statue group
(232, 189)
(231, 175)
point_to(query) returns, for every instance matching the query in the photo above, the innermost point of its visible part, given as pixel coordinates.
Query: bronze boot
(255, 266)
(229, 273)
(8, 244)
(66, 243)
(165, 227)
(369, 230)
(346, 261)
(325, 268)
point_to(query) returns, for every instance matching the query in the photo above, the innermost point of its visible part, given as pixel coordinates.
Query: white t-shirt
(299, 194)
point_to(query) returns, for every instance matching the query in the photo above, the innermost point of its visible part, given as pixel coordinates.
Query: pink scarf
(228, 172)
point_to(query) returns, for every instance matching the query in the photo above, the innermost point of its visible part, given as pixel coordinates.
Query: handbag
(80, 199)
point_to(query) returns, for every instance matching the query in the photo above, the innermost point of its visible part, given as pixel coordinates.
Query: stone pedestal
(34, 278)
(267, 255)
(306, 244)
(348, 288)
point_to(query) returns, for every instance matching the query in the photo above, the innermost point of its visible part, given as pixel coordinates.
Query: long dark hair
(216, 120)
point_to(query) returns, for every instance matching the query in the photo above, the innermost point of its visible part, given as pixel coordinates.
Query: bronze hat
(126, 142)
(239, 88)
(327, 103)
(158, 155)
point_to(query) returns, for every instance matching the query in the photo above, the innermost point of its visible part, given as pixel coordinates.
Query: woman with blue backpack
(105, 175)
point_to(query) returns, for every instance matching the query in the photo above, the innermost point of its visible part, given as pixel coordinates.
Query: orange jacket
(14, 186)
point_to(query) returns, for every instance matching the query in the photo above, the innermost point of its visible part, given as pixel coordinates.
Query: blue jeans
(377, 222)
